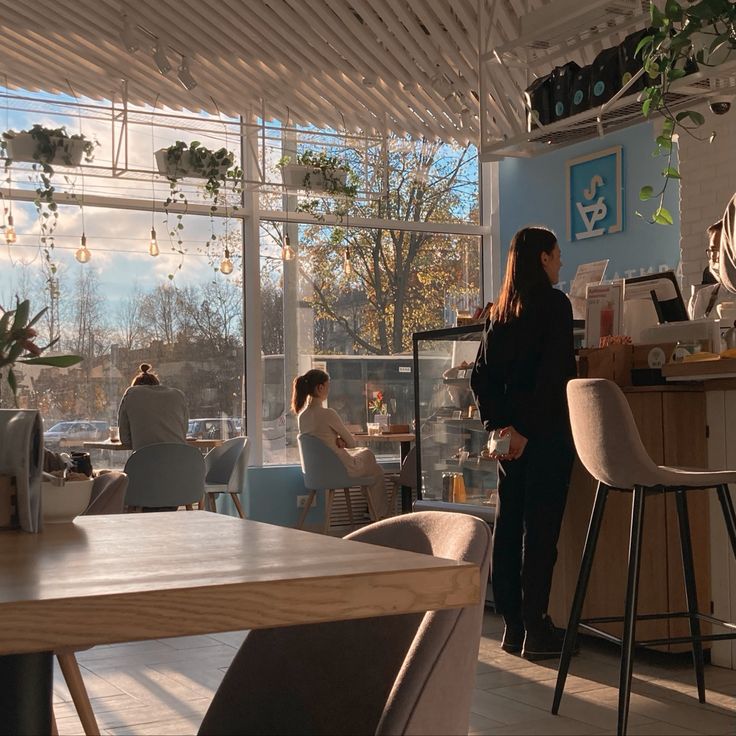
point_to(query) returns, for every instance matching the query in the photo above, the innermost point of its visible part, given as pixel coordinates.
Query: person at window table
(524, 362)
(150, 413)
(309, 392)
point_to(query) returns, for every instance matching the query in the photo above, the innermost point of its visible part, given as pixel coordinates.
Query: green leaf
(645, 107)
(37, 317)
(671, 173)
(646, 41)
(673, 10)
(21, 314)
(663, 217)
(12, 382)
(58, 361)
(646, 193)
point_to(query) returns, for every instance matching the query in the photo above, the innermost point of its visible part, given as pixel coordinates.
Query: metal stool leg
(688, 571)
(586, 564)
(632, 591)
(729, 515)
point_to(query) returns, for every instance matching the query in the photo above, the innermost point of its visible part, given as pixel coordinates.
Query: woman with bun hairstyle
(150, 413)
(309, 392)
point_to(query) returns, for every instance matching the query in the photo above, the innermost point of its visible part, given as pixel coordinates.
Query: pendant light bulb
(10, 236)
(287, 252)
(347, 265)
(153, 245)
(226, 265)
(83, 255)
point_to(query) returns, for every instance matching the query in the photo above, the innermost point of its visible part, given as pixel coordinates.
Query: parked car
(74, 434)
(214, 428)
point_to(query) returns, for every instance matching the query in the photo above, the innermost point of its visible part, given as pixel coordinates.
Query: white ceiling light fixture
(185, 76)
(369, 80)
(128, 36)
(159, 56)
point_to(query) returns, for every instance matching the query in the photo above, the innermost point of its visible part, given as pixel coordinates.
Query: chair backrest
(606, 437)
(168, 474)
(228, 464)
(407, 674)
(321, 466)
(408, 474)
(108, 494)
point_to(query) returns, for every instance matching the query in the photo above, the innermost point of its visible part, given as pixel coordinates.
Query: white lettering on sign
(404, 369)
(592, 213)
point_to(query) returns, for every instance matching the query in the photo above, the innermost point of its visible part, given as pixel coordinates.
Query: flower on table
(17, 344)
(377, 405)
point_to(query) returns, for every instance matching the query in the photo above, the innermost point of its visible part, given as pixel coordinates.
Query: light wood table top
(131, 577)
(108, 445)
(388, 437)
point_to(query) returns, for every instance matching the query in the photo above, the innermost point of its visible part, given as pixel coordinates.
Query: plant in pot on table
(379, 407)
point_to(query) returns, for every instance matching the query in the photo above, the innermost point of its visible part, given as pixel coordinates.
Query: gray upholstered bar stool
(608, 444)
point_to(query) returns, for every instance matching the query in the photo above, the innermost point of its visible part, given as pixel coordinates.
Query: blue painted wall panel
(532, 191)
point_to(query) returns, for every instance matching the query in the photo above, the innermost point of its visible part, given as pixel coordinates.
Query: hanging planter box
(24, 147)
(184, 168)
(315, 179)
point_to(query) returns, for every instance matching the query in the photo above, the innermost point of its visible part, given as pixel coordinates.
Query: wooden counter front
(671, 422)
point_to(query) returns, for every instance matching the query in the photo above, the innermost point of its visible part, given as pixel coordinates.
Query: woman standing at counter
(519, 381)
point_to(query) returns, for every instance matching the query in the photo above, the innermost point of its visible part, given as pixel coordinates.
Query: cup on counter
(373, 428)
(114, 434)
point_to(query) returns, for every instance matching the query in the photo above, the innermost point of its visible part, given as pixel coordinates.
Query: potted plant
(180, 161)
(46, 148)
(682, 35)
(17, 343)
(318, 172)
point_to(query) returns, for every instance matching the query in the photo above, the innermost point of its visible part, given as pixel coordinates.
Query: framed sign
(594, 194)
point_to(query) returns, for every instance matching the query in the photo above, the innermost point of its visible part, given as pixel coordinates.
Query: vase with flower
(379, 407)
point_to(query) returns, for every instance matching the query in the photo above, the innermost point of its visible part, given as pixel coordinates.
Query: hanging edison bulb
(347, 265)
(153, 245)
(83, 255)
(226, 265)
(287, 252)
(10, 236)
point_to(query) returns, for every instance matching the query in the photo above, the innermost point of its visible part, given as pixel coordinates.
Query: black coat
(523, 366)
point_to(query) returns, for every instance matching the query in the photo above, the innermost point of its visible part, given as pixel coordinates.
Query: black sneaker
(544, 642)
(513, 638)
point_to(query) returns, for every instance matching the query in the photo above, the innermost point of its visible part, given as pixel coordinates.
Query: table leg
(26, 686)
(405, 490)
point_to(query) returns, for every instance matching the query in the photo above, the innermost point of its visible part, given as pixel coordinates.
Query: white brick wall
(708, 183)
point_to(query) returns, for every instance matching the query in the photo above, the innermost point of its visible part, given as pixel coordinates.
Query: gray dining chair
(323, 471)
(407, 674)
(226, 471)
(609, 446)
(166, 475)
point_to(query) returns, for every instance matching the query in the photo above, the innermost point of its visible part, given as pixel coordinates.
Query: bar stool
(609, 446)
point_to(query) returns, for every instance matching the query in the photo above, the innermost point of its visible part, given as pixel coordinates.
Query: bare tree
(129, 324)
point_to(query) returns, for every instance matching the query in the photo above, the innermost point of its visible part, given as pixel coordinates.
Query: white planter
(183, 170)
(23, 147)
(62, 504)
(308, 177)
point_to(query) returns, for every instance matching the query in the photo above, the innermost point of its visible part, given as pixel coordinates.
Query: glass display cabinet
(451, 472)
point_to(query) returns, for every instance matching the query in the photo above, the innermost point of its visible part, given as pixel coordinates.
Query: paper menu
(603, 312)
(586, 273)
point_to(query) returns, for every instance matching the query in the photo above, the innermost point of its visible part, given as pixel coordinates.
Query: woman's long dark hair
(305, 386)
(524, 271)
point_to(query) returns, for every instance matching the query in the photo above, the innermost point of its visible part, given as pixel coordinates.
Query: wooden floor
(164, 687)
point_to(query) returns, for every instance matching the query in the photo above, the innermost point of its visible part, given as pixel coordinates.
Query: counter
(718, 380)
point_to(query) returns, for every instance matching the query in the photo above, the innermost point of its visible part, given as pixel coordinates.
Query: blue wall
(532, 191)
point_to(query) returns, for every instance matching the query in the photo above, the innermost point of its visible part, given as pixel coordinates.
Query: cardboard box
(613, 362)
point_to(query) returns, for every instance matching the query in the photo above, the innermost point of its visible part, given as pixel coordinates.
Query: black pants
(531, 501)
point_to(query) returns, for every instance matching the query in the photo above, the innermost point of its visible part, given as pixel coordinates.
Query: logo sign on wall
(595, 194)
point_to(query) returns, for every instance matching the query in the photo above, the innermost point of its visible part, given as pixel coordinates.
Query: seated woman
(309, 392)
(150, 413)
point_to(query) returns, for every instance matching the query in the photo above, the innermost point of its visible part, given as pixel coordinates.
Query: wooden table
(108, 445)
(405, 441)
(131, 577)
